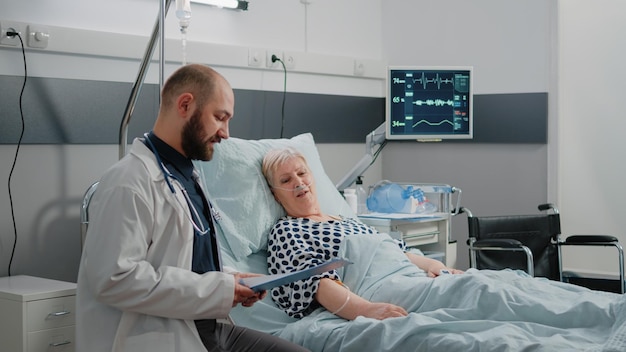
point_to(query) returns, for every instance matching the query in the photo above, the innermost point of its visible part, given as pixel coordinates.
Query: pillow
(237, 189)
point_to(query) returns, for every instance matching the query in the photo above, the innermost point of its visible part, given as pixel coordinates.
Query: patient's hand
(382, 311)
(432, 267)
(437, 268)
(244, 294)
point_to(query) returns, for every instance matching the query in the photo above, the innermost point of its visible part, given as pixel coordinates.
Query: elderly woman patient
(307, 237)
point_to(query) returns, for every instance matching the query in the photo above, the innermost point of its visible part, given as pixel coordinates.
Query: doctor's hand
(244, 294)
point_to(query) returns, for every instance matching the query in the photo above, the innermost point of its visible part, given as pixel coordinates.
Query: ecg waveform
(434, 102)
(439, 123)
(423, 80)
(433, 123)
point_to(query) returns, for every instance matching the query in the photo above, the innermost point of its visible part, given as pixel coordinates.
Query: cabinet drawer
(420, 233)
(50, 313)
(421, 239)
(52, 340)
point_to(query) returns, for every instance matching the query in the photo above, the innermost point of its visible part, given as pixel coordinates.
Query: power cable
(282, 121)
(19, 143)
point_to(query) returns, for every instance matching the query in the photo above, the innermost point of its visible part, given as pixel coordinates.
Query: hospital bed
(247, 210)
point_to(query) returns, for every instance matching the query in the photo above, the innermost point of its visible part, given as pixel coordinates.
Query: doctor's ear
(184, 104)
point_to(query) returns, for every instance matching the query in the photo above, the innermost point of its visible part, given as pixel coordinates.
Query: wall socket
(289, 59)
(33, 35)
(268, 59)
(359, 68)
(5, 26)
(256, 57)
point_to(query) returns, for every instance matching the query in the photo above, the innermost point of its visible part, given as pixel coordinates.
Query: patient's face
(294, 188)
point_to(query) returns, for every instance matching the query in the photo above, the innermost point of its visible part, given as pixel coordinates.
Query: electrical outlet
(268, 59)
(13, 26)
(38, 36)
(289, 59)
(255, 57)
(359, 68)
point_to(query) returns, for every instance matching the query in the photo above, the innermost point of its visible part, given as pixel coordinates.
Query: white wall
(591, 125)
(104, 40)
(509, 43)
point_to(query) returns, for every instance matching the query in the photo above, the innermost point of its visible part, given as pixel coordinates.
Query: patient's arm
(334, 297)
(431, 266)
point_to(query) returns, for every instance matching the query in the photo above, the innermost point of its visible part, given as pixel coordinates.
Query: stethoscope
(201, 229)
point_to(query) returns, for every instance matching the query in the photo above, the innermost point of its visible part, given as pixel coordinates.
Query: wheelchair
(529, 242)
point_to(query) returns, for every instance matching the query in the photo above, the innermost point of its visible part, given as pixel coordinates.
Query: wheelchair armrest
(597, 241)
(502, 243)
(589, 239)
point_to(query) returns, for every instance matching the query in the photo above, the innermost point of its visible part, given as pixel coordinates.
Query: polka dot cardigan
(299, 243)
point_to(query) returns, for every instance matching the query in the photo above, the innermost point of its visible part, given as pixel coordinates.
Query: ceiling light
(228, 4)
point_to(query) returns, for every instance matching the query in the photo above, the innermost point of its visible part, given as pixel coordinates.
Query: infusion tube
(183, 12)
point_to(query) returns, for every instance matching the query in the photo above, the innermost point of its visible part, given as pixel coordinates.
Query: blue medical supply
(420, 203)
(389, 197)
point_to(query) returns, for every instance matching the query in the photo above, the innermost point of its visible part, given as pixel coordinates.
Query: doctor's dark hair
(199, 80)
(276, 157)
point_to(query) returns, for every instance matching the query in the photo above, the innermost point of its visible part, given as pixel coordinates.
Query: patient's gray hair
(276, 157)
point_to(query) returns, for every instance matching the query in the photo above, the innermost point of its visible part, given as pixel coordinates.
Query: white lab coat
(136, 291)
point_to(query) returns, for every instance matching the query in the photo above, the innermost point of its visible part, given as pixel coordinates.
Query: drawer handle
(59, 314)
(57, 344)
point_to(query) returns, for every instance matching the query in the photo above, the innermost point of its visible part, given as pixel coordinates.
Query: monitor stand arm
(374, 138)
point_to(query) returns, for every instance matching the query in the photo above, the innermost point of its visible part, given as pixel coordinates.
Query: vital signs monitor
(429, 103)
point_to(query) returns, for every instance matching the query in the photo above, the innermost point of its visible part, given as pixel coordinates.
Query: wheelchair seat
(528, 242)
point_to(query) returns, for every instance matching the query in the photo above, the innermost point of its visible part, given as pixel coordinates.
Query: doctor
(150, 275)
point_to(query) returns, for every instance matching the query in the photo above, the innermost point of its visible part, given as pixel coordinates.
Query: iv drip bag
(183, 12)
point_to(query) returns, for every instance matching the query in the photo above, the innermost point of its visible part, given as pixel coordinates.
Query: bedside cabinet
(37, 314)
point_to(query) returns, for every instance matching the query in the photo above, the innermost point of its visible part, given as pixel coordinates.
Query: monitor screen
(429, 103)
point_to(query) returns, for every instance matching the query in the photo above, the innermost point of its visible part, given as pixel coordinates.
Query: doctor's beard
(194, 141)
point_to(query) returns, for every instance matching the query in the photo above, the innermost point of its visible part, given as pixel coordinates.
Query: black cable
(17, 151)
(377, 152)
(282, 121)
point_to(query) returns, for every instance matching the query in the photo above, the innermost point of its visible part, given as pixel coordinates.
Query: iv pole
(132, 100)
(157, 33)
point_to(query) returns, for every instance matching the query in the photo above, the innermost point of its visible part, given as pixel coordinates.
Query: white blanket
(477, 311)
